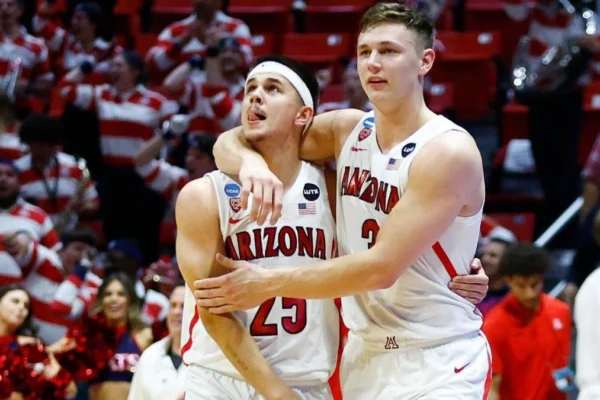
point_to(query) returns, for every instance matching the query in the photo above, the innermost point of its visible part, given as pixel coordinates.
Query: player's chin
(254, 134)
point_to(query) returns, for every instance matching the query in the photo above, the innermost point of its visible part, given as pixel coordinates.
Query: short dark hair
(524, 259)
(83, 235)
(41, 128)
(395, 13)
(307, 76)
(204, 143)
(135, 61)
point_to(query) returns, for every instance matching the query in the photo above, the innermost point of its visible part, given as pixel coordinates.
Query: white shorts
(457, 370)
(205, 384)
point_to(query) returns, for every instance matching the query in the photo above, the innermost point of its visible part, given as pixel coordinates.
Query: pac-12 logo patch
(236, 204)
(369, 122)
(408, 148)
(232, 190)
(311, 192)
(363, 134)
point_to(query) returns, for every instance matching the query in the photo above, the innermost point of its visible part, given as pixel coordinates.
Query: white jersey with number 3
(298, 337)
(418, 310)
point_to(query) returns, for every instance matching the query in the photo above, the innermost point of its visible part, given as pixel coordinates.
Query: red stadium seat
(515, 122)
(263, 16)
(167, 234)
(334, 15)
(467, 60)
(172, 6)
(263, 44)
(144, 41)
(440, 97)
(483, 15)
(521, 224)
(591, 121)
(127, 6)
(316, 48)
(332, 93)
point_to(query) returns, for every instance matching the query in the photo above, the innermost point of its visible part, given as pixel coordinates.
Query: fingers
(478, 279)
(476, 266)
(246, 190)
(210, 283)
(223, 309)
(226, 261)
(467, 288)
(277, 202)
(210, 294)
(257, 197)
(267, 203)
(211, 303)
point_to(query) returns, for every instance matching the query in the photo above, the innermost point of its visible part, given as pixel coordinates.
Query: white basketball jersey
(298, 337)
(418, 310)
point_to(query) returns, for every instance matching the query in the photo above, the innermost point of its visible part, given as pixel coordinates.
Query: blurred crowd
(96, 141)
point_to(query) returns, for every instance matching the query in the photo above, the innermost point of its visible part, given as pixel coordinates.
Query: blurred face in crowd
(10, 12)
(272, 108)
(14, 309)
(9, 186)
(205, 9)
(41, 153)
(198, 163)
(115, 302)
(72, 254)
(490, 259)
(122, 75)
(527, 289)
(119, 260)
(230, 60)
(175, 310)
(81, 26)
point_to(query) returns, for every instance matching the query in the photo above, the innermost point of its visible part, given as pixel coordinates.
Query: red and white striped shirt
(165, 55)
(11, 147)
(212, 109)
(33, 54)
(53, 188)
(164, 178)
(26, 217)
(549, 26)
(68, 52)
(127, 121)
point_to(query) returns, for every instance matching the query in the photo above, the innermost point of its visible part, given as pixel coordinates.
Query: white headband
(295, 80)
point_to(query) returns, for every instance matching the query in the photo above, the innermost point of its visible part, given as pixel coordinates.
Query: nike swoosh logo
(459, 370)
(234, 221)
(357, 149)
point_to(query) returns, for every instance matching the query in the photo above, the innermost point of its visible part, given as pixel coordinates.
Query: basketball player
(286, 348)
(410, 198)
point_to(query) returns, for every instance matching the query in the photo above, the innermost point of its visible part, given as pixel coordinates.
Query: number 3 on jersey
(370, 228)
(292, 325)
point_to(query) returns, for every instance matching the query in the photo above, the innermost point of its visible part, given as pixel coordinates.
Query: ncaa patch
(311, 192)
(236, 204)
(363, 134)
(369, 122)
(232, 190)
(408, 148)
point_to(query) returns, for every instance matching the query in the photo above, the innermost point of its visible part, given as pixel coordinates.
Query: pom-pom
(91, 345)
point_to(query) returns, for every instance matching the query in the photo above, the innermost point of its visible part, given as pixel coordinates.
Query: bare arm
(235, 156)
(444, 178)
(198, 241)
(150, 150)
(495, 389)
(175, 80)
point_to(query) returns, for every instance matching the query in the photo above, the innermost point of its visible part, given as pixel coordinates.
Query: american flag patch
(307, 208)
(393, 164)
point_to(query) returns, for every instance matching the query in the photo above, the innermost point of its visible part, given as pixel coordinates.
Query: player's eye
(364, 53)
(272, 88)
(250, 88)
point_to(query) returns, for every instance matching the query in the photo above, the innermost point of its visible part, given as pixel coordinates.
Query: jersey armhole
(222, 213)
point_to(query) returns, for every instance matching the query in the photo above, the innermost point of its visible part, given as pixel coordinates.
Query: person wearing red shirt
(529, 332)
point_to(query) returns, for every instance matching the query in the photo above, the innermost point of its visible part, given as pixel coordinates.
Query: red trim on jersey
(188, 344)
(488, 379)
(439, 251)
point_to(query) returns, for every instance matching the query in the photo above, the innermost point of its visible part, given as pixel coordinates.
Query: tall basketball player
(286, 348)
(410, 198)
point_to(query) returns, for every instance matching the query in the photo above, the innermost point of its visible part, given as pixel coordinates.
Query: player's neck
(282, 159)
(394, 125)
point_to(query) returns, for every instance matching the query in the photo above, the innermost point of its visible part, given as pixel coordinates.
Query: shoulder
(196, 200)
(496, 322)
(143, 338)
(557, 306)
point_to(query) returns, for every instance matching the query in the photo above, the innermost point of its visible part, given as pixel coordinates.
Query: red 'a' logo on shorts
(390, 343)
(363, 134)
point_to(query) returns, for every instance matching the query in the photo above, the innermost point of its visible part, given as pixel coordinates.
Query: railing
(553, 230)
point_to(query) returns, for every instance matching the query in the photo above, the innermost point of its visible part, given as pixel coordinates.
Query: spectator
(212, 98)
(118, 303)
(168, 179)
(35, 76)
(187, 37)
(11, 147)
(21, 226)
(82, 45)
(587, 304)
(56, 182)
(529, 332)
(129, 115)
(160, 373)
(490, 260)
(355, 95)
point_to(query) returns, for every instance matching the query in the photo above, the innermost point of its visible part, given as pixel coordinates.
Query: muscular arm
(198, 241)
(444, 177)
(495, 389)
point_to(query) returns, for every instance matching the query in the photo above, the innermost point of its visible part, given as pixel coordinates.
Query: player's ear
(427, 59)
(304, 116)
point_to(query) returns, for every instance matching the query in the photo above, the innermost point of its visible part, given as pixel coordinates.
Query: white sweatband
(274, 67)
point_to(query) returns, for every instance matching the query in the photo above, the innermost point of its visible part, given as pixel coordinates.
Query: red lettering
(371, 191)
(230, 249)
(259, 325)
(258, 243)
(305, 242)
(356, 181)
(392, 199)
(320, 245)
(243, 239)
(287, 241)
(294, 325)
(271, 250)
(381, 197)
